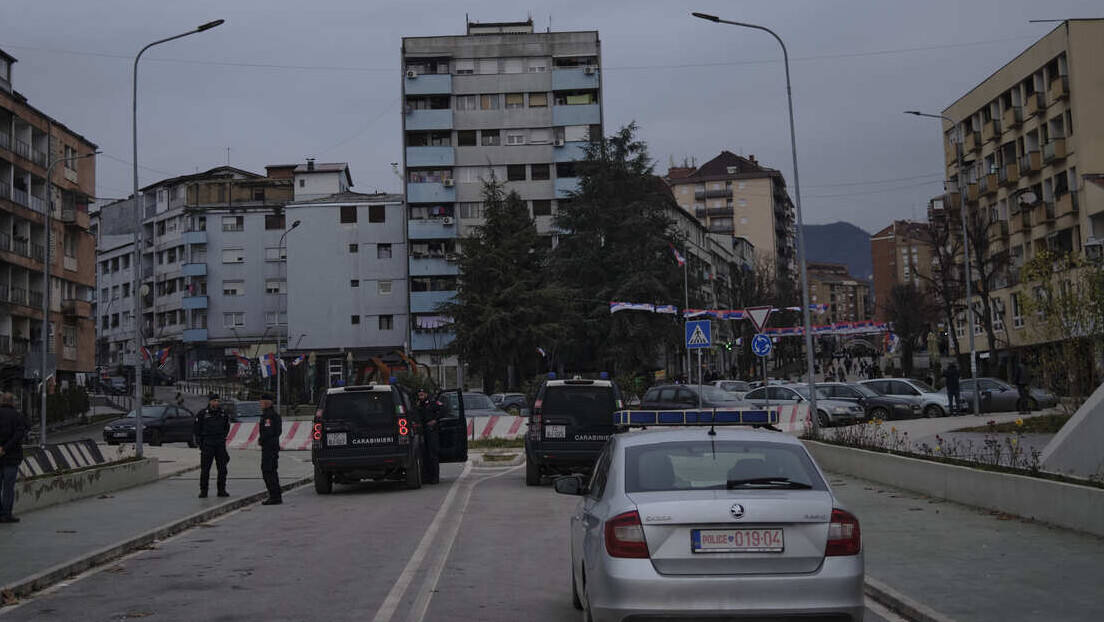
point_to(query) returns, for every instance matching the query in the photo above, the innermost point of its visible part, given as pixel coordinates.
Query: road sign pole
(766, 383)
(699, 379)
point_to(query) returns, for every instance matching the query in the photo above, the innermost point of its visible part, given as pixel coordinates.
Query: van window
(359, 407)
(585, 402)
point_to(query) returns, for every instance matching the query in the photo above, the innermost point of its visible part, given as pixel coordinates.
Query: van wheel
(323, 482)
(532, 473)
(414, 475)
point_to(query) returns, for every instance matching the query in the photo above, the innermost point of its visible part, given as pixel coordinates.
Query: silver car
(829, 411)
(678, 523)
(932, 403)
(737, 388)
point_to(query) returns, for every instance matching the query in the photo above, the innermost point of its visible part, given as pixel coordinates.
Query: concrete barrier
(1058, 503)
(60, 457)
(43, 492)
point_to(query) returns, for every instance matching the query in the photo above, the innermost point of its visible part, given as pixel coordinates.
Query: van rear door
(355, 421)
(577, 416)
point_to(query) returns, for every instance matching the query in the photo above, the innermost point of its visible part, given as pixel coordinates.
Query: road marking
(878, 609)
(394, 597)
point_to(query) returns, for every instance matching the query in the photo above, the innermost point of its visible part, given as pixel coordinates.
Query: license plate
(736, 541)
(120, 435)
(337, 438)
(555, 431)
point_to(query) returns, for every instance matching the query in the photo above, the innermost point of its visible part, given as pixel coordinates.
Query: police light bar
(710, 417)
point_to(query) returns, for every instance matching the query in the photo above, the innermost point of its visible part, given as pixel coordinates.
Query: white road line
(433, 575)
(877, 608)
(394, 597)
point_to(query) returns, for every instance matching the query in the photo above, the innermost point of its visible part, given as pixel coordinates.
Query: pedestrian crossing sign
(699, 334)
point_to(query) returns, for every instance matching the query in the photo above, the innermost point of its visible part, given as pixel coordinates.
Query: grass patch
(496, 443)
(1043, 424)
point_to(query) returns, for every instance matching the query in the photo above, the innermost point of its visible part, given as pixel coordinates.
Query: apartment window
(538, 65)
(465, 138)
(387, 322)
(542, 207)
(302, 183)
(273, 318)
(490, 138)
(354, 248)
(377, 213)
(515, 172)
(576, 98)
(104, 322)
(233, 223)
(114, 320)
(487, 66)
(233, 255)
(354, 283)
(258, 194)
(515, 100)
(233, 288)
(467, 102)
(384, 288)
(114, 292)
(490, 101)
(348, 214)
(538, 100)
(115, 265)
(275, 253)
(540, 172)
(233, 320)
(274, 222)
(513, 65)
(433, 284)
(275, 286)
(1017, 311)
(354, 319)
(471, 210)
(126, 290)
(465, 66)
(104, 295)
(515, 138)
(383, 251)
(565, 169)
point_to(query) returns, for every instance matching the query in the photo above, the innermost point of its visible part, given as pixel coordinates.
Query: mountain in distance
(840, 242)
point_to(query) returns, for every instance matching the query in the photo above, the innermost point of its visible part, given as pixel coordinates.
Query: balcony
(5, 140)
(193, 302)
(38, 251)
(1008, 174)
(22, 149)
(570, 152)
(988, 184)
(35, 299)
(69, 353)
(1058, 88)
(716, 193)
(5, 190)
(1046, 210)
(954, 200)
(193, 269)
(973, 142)
(430, 193)
(950, 152)
(76, 307)
(430, 340)
(1031, 162)
(1054, 150)
(193, 237)
(1036, 104)
(428, 84)
(566, 186)
(577, 114)
(704, 212)
(575, 79)
(429, 119)
(192, 335)
(1025, 220)
(1013, 117)
(430, 156)
(434, 229)
(1065, 203)
(427, 302)
(998, 230)
(5, 344)
(38, 204)
(38, 157)
(432, 266)
(972, 192)
(991, 130)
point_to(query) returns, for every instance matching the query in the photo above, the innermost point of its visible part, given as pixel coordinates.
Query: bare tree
(911, 312)
(989, 271)
(945, 280)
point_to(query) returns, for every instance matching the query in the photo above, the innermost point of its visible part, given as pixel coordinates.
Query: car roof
(578, 382)
(361, 388)
(649, 436)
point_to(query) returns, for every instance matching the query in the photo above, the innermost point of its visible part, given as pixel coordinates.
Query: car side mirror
(570, 485)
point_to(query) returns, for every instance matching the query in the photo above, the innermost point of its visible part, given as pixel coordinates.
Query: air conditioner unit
(559, 142)
(448, 183)
(408, 109)
(452, 256)
(448, 220)
(590, 71)
(411, 74)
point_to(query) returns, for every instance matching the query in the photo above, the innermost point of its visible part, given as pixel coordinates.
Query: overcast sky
(282, 81)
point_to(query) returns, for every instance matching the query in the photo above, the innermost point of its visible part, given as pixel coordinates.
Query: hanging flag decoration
(669, 309)
(163, 355)
(281, 363)
(678, 256)
(145, 353)
(268, 365)
(242, 360)
(299, 359)
(541, 352)
(631, 306)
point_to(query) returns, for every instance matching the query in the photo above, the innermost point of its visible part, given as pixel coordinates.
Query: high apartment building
(847, 297)
(738, 196)
(1033, 134)
(212, 263)
(500, 101)
(901, 253)
(30, 141)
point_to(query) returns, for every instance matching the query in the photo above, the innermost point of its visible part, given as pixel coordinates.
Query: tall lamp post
(965, 245)
(279, 352)
(138, 209)
(46, 284)
(806, 321)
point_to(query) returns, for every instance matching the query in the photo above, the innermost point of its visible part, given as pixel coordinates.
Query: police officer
(212, 424)
(271, 430)
(428, 411)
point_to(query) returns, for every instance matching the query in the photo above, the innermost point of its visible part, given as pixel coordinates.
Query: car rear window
(368, 407)
(581, 402)
(698, 465)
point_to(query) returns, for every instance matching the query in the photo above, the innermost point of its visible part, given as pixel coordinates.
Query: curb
(900, 604)
(50, 576)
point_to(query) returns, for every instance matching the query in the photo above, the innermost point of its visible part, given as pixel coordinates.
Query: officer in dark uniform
(271, 430)
(429, 410)
(212, 424)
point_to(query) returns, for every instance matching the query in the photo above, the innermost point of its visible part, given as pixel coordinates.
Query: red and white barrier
(296, 436)
(497, 426)
(793, 418)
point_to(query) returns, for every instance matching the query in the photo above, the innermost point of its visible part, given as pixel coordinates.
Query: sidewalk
(51, 536)
(970, 564)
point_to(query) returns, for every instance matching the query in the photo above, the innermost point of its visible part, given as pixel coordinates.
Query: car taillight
(625, 536)
(317, 431)
(535, 422)
(404, 431)
(843, 535)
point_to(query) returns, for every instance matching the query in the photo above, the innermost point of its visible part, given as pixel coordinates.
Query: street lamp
(279, 353)
(965, 246)
(806, 322)
(46, 285)
(138, 236)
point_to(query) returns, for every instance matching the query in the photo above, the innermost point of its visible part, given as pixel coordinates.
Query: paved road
(481, 546)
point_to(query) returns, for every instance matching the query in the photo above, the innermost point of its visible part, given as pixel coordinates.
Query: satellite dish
(1027, 198)
(144, 290)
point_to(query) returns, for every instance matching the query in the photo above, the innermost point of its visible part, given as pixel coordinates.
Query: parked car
(755, 384)
(829, 411)
(686, 396)
(475, 404)
(513, 403)
(932, 403)
(735, 387)
(160, 424)
(876, 405)
(999, 396)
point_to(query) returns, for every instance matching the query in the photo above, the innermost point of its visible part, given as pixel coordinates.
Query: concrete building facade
(31, 140)
(847, 297)
(502, 102)
(901, 253)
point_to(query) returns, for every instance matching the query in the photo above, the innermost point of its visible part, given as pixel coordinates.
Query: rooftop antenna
(228, 156)
(549, 22)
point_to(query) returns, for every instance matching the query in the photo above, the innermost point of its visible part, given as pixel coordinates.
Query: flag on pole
(299, 359)
(268, 365)
(281, 363)
(678, 256)
(163, 355)
(541, 352)
(145, 353)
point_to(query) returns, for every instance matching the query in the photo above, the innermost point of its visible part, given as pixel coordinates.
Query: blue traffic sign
(761, 345)
(699, 334)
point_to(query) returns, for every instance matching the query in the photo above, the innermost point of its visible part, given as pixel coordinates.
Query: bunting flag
(242, 359)
(678, 256)
(891, 341)
(145, 353)
(631, 306)
(299, 359)
(268, 365)
(163, 355)
(541, 352)
(281, 363)
(669, 309)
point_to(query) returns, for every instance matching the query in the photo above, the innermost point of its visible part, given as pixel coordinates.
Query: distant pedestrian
(1021, 377)
(13, 427)
(841, 374)
(212, 425)
(271, 431)
(951, 377)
